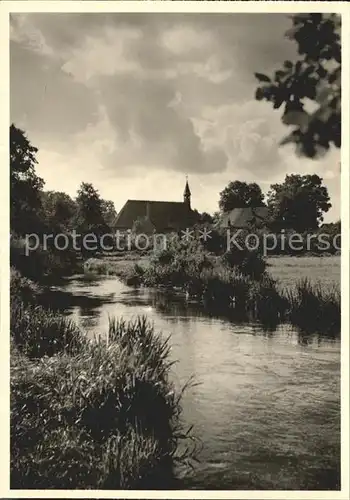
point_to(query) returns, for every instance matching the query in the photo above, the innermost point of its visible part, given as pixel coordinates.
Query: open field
(288, 270)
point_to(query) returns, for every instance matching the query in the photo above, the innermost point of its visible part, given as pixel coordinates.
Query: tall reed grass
(314, 307)
(22, 289)
(39, 332)
(106, 417)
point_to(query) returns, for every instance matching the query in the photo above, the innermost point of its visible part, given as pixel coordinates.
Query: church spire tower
(187, 194)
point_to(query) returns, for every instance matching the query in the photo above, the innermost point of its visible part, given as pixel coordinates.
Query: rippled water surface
(266, 409)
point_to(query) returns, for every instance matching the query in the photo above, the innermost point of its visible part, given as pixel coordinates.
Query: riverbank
(106, 409)
(287, 270)
(305, 296)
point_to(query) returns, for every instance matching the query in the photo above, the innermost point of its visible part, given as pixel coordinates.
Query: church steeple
(187, 194)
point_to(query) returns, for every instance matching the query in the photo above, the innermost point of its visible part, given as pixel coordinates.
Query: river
(266, 410)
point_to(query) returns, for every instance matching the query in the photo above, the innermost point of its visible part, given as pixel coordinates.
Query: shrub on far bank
(38, 263)
(106, 418)
(265, 302)
(232, 291)
(315, 307)
(248, 262)
(176, 265)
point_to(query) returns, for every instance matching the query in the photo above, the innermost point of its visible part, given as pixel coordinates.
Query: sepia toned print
(175, 247)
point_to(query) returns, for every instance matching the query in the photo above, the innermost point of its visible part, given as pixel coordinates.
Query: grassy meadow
(288, 270)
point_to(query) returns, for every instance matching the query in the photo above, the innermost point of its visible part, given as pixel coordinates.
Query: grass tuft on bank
(90, 414)
(106, 417)
(313, 306)
(40, 332)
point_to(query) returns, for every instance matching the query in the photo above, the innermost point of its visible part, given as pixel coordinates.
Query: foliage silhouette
(25, 185)
(239, 195)
(316, 77)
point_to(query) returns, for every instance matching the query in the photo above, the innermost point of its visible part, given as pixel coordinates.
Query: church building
(156, 216)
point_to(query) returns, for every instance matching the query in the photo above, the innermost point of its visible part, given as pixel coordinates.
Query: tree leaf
(324, 93)
(259, 94)
(291, 138)
(288, 64)
(262, 78)
(291, 32)
(280, 73)
(298, 118)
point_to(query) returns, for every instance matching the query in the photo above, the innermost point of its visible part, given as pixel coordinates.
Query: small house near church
(156, 216)
(245, 218)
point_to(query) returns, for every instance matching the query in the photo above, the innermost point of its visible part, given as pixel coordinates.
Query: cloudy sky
(135, 102)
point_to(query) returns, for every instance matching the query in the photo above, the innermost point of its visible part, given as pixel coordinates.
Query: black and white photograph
(175, 184)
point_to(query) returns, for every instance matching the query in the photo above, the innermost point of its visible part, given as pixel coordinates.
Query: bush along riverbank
(99, 414)
(236, 284)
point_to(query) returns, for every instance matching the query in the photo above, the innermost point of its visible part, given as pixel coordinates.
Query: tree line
(299, 203)
(36, 210)
(39, 212)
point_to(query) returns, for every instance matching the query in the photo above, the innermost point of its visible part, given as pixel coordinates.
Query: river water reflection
(266, 409)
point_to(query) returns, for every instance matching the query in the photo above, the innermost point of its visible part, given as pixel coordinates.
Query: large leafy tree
(58, 210)
(298, 203)
(25, 185)
(314, 77)
(109, 213)
(89, 217)
(239, 195)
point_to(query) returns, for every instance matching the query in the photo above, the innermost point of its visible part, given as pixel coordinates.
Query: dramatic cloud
(116, 98)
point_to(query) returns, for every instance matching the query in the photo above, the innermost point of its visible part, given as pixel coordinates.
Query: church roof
(162, 214)
(242, 218)
(187, 191)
